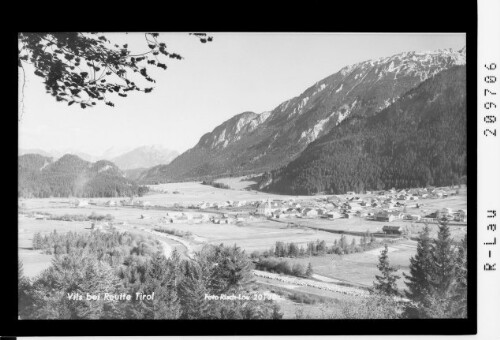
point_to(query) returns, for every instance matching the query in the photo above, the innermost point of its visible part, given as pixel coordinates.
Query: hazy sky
(235, 73)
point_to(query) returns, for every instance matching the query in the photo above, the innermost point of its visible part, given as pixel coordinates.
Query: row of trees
(111, 247)
(280, 266)
(320, 248)
(437, 280)
(216, 184)
(173, 231)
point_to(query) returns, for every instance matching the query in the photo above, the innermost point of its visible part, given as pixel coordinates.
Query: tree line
(215, 184)
(320, 248)
(118, 263)
(71, 176)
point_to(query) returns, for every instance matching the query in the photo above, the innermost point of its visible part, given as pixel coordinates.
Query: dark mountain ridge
(40, 176)
(417, 141)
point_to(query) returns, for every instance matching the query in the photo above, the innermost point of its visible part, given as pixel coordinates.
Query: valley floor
(342, 273)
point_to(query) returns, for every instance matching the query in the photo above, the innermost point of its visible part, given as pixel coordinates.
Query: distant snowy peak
(373, 83)
(423, 64)
(367, 86)
(145, 157)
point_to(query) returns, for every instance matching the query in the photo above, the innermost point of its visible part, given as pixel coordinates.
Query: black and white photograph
(242, 176)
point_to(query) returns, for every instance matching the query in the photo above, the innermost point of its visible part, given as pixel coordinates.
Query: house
(321, 211)
(205, 205)
(220, 205)
(264, 209)
(95, 226)
(416, 217)
(240, 203)
(332, 214)
(309, 212)
(110, 203)
(389, 229)
(388, 206)
(100, 226)
(81, 203)
(411, 217)
(461, 215)
(355, 206)
(385, 216)
(361, 213)
(446, 211)
(330, 206)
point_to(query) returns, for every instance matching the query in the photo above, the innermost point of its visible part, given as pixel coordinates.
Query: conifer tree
(229, 268)
(460, 290)
(444, 261)
(419, 280)
(24, 294)
(309, 271)
(160, 278)
(192, 292)
(385, 284)
(439, 302)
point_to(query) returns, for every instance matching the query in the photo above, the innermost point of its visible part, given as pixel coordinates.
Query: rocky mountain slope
(250, 142)
(419, 140)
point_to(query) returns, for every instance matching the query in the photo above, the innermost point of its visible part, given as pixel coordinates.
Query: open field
(34, 261)
(237, 183)
(256, 235)
(360, 268)
(360, 224)
(191, 192)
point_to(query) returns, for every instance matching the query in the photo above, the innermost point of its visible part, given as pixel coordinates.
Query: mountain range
(252, 142)
(144, 157)
(419, 140)
(126, 158)
(40, 176)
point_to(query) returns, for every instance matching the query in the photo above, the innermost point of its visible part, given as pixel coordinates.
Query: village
(381, 206)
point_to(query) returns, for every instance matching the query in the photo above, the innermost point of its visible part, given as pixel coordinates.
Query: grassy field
(360, 268)
(259, 235)
(34, 261)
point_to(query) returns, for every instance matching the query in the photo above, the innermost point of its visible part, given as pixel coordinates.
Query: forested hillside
(417, 141)
(72, 176)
